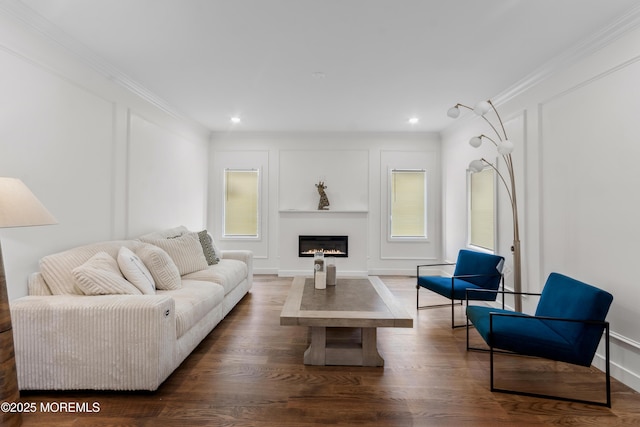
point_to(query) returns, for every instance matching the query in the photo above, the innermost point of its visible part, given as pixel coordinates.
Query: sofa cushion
(194, 300)
(100, 275)
(228, 273)
(162, 268)
(135, 271)
(56, 268)
(185, 251)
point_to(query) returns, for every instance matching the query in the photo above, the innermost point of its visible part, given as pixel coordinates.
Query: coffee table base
(325, 351)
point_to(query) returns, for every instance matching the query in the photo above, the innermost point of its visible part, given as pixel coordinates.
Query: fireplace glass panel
(335, 246)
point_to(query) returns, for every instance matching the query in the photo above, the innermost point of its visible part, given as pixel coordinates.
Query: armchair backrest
(487, 266)
(569, 298)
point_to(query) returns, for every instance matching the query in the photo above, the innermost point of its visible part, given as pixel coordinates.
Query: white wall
(576, 137)
(354, 166)
(167, 178)
(105, 163)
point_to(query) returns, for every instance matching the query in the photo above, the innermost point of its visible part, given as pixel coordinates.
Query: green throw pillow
(207, 248)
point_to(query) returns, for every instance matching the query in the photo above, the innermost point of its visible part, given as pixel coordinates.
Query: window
(482, 202)
(241, 202)
(408, 204)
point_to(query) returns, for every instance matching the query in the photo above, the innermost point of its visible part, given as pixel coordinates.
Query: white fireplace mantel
(351, 223)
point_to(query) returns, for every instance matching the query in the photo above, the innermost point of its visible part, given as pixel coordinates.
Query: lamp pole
(504, 148)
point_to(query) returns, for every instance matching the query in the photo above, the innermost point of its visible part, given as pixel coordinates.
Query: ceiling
(323, 65)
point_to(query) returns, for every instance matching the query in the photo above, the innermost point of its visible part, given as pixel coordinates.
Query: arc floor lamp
(18, 208)
(504, 148)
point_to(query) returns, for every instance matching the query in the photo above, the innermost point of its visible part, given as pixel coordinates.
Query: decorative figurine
(323, 204)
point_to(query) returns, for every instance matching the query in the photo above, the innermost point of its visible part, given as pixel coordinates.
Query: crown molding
(35, 22)
(607, 35)
(18, 10)
(598, 40)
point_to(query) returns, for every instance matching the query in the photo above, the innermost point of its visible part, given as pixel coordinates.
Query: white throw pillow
(135, 271)
(185, 251)
(100, 275)
(161, 266)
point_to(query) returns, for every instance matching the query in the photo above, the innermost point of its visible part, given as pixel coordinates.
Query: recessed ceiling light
(235, 120)
(413, 120)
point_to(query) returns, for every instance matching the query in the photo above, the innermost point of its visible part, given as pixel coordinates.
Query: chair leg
(608, 366)
(453, 325)
(453, 303)
(467, 334)
(607, 402)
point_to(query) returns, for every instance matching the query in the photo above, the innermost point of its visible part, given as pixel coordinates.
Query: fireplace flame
(325, 251)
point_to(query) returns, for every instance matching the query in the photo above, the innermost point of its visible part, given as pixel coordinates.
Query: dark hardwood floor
(249, 372)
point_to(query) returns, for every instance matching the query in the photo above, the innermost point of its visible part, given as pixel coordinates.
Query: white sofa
(67, 340)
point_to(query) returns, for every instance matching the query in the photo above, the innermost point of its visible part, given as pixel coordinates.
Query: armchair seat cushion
(442, 285)
(525, 334)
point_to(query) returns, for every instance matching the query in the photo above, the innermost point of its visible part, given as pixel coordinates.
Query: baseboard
(265, 271)
(341, 273)
(393, 272)
(622, 349)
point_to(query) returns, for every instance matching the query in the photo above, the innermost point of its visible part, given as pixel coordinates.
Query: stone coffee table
(342, 319)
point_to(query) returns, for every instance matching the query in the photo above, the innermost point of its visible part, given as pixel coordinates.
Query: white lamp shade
(19, 207)
(476, 166)
(505, 147)
(453, 112)
(482, 108)
(475, 142)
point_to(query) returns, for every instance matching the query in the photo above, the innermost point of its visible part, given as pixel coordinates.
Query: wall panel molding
(587, 146)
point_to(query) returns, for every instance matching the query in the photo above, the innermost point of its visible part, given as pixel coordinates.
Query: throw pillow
(162, 268)
(100, 275)
(169, 233)
(185, 251)
(135, 271)
(206, 241)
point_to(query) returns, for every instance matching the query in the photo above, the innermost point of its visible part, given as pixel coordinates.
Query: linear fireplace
(335, 246)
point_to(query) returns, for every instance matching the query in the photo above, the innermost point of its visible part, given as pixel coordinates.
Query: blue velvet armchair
(567, 326)
(473, 270)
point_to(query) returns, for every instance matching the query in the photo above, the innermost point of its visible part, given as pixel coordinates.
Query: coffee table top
(353, 302)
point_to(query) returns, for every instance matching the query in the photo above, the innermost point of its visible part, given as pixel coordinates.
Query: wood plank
(248, 372)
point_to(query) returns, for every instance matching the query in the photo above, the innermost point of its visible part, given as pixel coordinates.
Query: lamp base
(8, 380)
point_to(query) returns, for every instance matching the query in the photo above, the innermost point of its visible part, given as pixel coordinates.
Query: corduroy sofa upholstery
(65, 340)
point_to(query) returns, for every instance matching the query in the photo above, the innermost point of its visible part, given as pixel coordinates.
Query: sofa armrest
(108, 342)
(239, 254)
(245, 256)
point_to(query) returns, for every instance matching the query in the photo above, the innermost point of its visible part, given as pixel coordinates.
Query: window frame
(390, 192)
(258, 234)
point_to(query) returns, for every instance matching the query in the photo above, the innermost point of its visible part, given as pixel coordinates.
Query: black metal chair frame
(453, 303)
(491, 351)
